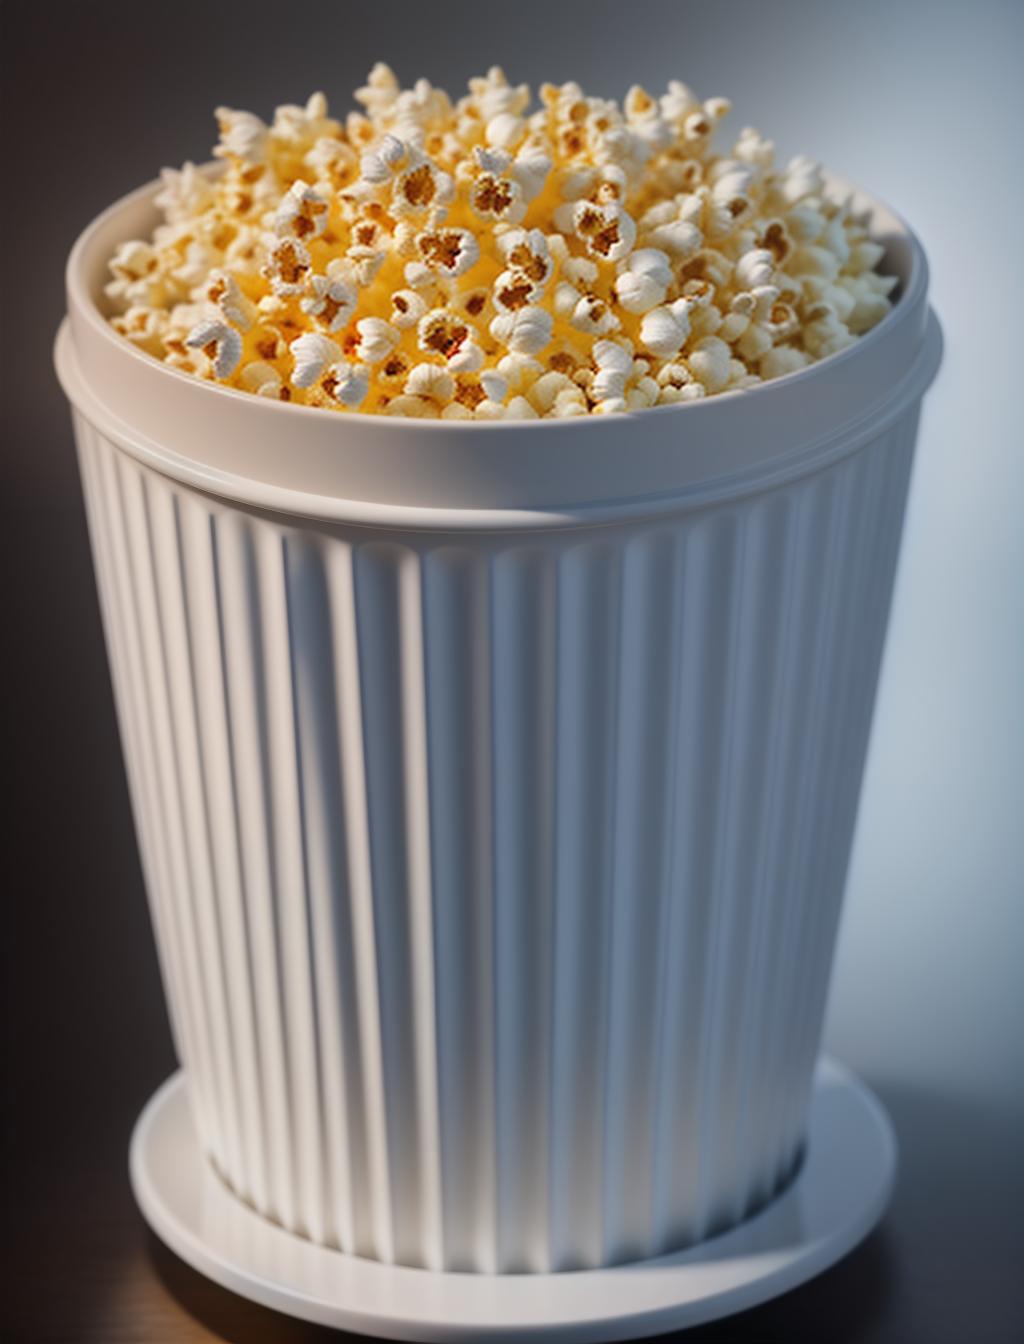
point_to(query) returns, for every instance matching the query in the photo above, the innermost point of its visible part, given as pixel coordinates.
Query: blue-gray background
(919, 102)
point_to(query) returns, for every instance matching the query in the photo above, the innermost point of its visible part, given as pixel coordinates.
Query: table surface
(926, 1004)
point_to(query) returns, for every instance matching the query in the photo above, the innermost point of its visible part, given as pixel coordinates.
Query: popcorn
(287, 266)
(643, 280)
(221, 344)
(478, 261)
(312, 354)
(331, 302)
(432, 381)
(346, 383)
(443, 253)
(607, 230)
(526, 331)
(663, 331)
(302, 213)
(224, 291)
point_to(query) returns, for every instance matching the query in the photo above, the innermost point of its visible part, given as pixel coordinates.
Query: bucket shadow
(225, 1315)
(845, 1305)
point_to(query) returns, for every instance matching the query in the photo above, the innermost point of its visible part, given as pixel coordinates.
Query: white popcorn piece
(663, 331)
(781, 360)
(519, 371)
(287, 266)
(361, 264)
(526, 331)
(489, 410)
(185, 194)
(221, 344)
(261, 378)
(643, 280)
(608, 231)
(709, 363)
(679, 237)
(444, 252)
(495, 386)
(514, 289)
(313, 354)
(242, 135)
(420, 408)
(380, 91)
(378, 166)
(431, 381)
(614, 367)
(593, 316)
(234, 306)
(301, 214)
(519, 408)
(527, 251)
(530, 170)
(143, 327)
(330, 301)
(493, 196)
(346, 383)
(407, 307)
(377, 339)
(755, 268)
(447, 333)
(421, 186)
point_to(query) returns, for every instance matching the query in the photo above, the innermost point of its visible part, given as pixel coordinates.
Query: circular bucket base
(836, 1198)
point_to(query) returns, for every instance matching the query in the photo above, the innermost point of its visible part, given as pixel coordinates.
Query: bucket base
(836, 1198)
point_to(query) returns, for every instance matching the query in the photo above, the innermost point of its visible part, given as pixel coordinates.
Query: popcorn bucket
(495, 783)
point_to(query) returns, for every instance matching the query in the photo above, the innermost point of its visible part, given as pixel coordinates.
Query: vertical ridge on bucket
(289, 880)
(324, 843)
(455, 609)
(420, 895)
(373, 1219)
(588, 622)
(245, 688)
(774, 565)
(377, 610)
(523, 597)
(637, 891)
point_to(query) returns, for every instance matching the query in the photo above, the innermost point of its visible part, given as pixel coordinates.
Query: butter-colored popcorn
(476, 260)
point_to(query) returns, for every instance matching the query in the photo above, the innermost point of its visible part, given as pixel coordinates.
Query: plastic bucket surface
(495, 783)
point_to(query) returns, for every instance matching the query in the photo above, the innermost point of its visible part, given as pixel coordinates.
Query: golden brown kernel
(492, 196)
(468, 393)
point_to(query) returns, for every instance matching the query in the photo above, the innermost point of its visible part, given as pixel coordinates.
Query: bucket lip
(295, 504)
(87, 335)
(77, 287)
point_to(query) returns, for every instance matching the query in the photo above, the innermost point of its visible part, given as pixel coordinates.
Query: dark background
(918, 101)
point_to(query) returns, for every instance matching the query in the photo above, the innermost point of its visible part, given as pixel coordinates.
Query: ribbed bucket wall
(495, 876)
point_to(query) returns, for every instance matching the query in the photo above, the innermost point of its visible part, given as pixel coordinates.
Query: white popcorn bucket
(495, 783)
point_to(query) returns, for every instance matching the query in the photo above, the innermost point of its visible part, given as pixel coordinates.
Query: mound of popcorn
(476, 260)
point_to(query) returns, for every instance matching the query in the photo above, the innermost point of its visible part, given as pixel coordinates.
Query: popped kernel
(476, 260)
(219, 342)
